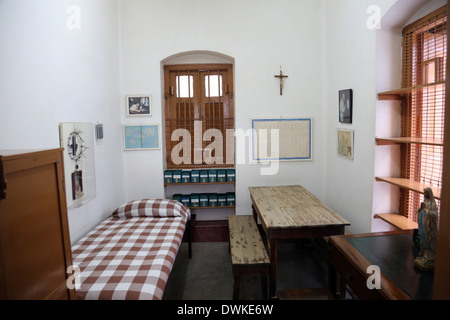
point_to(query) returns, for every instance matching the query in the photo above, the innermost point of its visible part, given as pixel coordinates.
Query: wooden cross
(281, 80)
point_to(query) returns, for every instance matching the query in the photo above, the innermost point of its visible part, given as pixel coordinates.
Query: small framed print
(345, 143)
(77, 184)
(345, 106)
(139, 105)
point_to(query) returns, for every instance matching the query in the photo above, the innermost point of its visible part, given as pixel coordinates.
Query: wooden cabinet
(35, 248)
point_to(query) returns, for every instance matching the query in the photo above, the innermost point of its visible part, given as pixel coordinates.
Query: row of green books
(199, 176)
(206, 199)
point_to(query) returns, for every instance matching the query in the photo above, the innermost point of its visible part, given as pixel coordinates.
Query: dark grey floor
(208, 275)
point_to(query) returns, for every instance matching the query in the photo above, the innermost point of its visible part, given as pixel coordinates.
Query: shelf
(397, 220)
(411, 185)
(197, 183)
(399, 140)
(210, 231)
(397, 94)
(189, 189)
(215, 207)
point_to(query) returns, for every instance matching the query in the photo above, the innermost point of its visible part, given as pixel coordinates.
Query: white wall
(259, 38)
(368, 61)
(388, 117)
(50, 74)
(351, 63)
(324, 46)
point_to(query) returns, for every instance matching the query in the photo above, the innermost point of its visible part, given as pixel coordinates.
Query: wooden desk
(291, 212)
(393, 252)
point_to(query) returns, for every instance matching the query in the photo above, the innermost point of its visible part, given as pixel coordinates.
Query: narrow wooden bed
(129, 256)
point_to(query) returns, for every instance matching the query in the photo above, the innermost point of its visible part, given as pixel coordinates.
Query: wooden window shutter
(423, 68)
(199, 116)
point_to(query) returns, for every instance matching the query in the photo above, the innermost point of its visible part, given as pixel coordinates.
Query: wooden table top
(292, 207)
(393, 252)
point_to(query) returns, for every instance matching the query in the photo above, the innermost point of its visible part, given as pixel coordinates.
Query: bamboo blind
(199, 100)
(424, 62)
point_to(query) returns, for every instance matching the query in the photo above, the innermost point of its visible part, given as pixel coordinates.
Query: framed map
(141, 137)
(275, 139)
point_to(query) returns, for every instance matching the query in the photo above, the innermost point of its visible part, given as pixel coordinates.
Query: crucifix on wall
(281, 76)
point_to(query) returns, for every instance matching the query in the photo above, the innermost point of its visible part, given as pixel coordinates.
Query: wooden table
(393, 252)
(291, 212)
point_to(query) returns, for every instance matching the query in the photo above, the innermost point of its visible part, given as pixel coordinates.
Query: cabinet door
(35, 247)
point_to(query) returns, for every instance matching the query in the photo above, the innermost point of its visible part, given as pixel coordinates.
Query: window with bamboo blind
(423, 104)
(199, 116)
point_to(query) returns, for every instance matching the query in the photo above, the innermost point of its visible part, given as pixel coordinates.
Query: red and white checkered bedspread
(130, 255)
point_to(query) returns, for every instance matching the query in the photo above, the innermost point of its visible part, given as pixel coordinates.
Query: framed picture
(139, 105)
(141, 137)
(77, 139)
(292, 142)
(345, 106)
(345, 143)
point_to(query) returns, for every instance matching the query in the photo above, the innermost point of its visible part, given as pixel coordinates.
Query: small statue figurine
(428, 226)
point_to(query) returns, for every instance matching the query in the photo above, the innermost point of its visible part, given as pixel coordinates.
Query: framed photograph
(139, 105)
(141, 137)
(345, 106)
(345, 143)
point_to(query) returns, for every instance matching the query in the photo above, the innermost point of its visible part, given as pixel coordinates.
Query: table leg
(273, 269)
(332, 280)
(236, 287)
(264, 287)
(255, 215)
(342, 286)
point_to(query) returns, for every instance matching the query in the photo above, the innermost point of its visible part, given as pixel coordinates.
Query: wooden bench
(248, 253)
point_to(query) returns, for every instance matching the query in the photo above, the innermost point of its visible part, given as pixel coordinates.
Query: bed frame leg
(189, 239)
